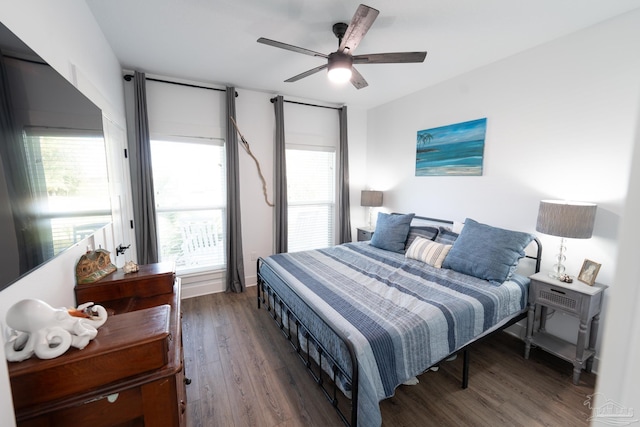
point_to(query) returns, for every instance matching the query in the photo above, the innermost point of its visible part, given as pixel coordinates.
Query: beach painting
(452, 150)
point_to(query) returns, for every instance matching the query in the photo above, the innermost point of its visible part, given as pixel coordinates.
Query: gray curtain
(235, 260)
(144, 205)
(344, 207)
(280, 191)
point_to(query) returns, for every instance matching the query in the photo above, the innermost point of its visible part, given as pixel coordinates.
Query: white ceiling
(214, 41)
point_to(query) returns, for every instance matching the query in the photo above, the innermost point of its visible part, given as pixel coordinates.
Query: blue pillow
(391, 231)
(487, 252)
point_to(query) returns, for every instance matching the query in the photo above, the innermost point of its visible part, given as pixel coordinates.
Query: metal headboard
(537, 257)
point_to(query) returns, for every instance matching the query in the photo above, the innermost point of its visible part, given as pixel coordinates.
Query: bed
(366, 317)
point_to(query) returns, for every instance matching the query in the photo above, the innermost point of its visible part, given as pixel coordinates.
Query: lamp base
(558, 267)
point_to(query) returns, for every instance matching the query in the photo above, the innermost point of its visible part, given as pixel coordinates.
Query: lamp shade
(371, 198)
(566, 219)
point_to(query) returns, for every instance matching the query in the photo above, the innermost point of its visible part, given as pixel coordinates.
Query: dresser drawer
(149, 281)
(123, 408)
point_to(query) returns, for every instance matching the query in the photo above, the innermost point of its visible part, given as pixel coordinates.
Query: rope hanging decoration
(246, 147)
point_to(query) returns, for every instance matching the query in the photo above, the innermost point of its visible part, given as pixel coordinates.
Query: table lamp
(371, 199)
(566, 220)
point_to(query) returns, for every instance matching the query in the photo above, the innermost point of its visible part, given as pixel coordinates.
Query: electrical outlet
(254, 256)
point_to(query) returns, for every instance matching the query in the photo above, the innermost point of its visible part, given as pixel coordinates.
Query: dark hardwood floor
(244, 373)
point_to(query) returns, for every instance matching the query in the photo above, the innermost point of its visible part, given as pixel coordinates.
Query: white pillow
(425, 250)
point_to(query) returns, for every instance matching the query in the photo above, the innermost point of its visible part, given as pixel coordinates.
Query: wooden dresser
(131, 374)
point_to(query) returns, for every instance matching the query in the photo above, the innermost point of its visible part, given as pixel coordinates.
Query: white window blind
(189, 177)
(68, 181)
(311, 197)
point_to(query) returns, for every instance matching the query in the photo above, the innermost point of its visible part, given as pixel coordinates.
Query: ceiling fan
(340, 63)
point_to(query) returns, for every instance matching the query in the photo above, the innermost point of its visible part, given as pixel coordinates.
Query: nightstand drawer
(364, 235)
(562, 299)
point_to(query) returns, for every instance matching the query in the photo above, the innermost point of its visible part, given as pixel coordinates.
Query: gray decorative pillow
(391, 231)
(423, 231)
(487, 252)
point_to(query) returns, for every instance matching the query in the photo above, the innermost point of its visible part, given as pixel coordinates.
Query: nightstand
(365, 234)
(576, 299)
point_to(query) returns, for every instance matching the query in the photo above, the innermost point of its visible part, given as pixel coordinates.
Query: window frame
(211, 141)
(333, 232)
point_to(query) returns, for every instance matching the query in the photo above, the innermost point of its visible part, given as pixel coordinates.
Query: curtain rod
(309, 105)
(129, 77)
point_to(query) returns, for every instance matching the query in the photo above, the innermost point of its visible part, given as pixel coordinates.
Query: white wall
(560, 124)
(256, 120)
(619, 373)
(65, 34)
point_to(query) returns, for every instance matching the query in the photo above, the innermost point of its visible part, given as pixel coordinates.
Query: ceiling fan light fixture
(339, 67)
(339, 74)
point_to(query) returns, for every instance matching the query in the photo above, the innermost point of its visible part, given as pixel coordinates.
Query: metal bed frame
(347, 411)
(276, 307)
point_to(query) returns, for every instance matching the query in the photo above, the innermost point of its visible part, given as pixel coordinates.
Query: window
(68, 185)
(311, 197)
(189, 178)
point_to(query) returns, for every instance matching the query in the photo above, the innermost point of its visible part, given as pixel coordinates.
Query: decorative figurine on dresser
(37, 328)
(93, 266)
(131, 373)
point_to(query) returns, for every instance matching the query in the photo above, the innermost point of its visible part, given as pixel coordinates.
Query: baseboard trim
(192, 288)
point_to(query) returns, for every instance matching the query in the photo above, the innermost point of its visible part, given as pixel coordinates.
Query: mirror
(54, 188)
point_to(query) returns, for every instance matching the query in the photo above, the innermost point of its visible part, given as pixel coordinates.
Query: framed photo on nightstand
(588, 272)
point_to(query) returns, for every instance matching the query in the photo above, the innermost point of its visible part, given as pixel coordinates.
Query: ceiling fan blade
(390, 58)
(357, 80)
(360, 24)
(306, 73)
(290, 47)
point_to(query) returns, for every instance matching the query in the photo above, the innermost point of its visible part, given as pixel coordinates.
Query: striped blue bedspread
(401, 315)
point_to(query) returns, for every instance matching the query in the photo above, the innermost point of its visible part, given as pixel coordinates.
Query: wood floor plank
(250, 350)
(216, 404)
(236, 375)
(201, 320)
(244, 373)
